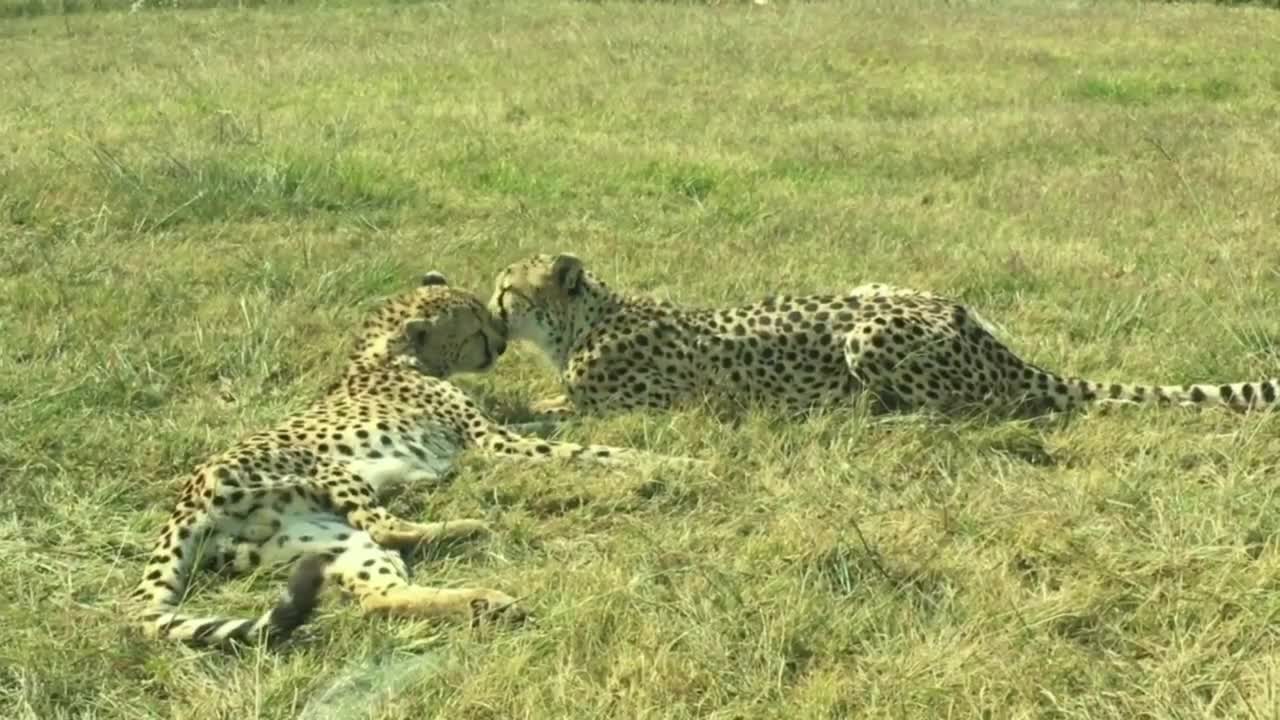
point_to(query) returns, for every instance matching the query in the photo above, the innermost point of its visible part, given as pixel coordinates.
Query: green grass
(197, 206)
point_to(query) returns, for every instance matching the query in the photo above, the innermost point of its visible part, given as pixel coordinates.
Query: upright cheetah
(306, 492)
(908, 348)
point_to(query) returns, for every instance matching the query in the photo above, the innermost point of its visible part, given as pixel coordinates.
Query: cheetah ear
(435, 277)
(416, 331)
(566, 270)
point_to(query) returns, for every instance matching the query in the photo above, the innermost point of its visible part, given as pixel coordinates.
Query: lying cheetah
(306, 492)
(907, 348)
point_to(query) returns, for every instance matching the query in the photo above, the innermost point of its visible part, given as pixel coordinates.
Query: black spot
(1115, 391)
(1268, 392)
(1225, 393)
(1247, 391)
(1197, 395)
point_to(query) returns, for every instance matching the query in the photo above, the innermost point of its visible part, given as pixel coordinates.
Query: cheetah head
(439, 329)
(547, 300)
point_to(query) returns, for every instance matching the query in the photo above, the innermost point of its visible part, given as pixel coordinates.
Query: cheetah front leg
(559, 406)
(391, 531)
(450, 530)
(501, 442)
(536, 427)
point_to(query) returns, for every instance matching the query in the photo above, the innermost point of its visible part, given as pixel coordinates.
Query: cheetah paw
(491, 606)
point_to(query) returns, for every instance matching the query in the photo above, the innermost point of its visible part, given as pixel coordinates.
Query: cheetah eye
(416, 332)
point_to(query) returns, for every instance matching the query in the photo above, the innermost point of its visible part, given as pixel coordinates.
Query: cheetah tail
(273, 626)
(1240, 396)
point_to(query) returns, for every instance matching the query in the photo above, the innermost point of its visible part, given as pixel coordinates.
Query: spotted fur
(307, 491)
(907, 348)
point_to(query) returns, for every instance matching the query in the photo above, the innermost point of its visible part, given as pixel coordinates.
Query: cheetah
(906, 349)
(306, 493)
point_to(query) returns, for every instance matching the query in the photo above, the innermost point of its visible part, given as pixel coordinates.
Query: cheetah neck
(366, 370)
(587, 314)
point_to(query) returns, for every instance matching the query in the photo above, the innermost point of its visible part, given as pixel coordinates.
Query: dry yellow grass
(198, 205)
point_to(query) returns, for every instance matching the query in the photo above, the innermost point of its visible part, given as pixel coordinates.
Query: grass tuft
(169, 191)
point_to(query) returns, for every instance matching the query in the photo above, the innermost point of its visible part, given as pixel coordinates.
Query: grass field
(197, 206)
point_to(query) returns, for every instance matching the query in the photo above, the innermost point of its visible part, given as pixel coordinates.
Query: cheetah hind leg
(476, 605)
(378, 578)
(879, 378)
(867, 386)
(354, 498)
